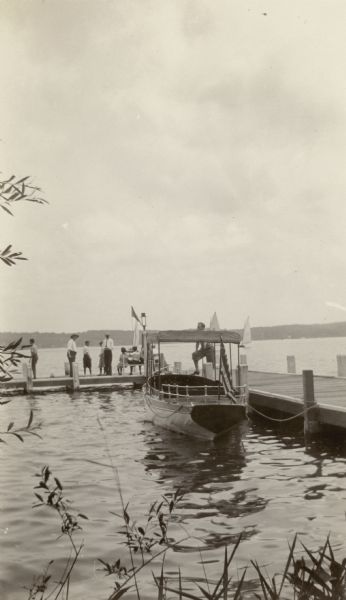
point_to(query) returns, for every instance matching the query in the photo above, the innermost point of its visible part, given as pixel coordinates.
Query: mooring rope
(282, 420)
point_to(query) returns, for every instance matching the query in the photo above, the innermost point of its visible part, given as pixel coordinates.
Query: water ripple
(266, 484)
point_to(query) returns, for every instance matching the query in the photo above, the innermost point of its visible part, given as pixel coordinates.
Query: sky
(192, 154)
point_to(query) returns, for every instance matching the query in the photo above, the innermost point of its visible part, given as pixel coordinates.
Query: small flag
(133, 314)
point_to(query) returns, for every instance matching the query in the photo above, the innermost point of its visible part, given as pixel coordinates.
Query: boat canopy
(193, 335)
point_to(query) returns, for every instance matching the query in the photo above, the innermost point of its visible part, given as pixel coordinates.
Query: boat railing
(186, 391)
(175, 391)
(181, 392)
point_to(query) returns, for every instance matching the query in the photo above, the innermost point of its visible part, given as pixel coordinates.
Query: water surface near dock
(263, 483)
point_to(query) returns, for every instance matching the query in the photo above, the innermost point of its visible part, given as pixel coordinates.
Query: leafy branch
(9, 257)
(19, 432)
(51, 495)
(15, 190)
(142, 540)
(10, 358)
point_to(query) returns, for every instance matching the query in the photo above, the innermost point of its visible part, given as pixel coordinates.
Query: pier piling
(242, 379)
(291, 364)
(311, 421)
(341, 365)
(27, 374)
(75, 376)
(67, 368)
(208, 370)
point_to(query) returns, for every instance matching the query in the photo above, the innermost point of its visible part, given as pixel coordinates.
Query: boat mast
(159, 350)
(230, 362)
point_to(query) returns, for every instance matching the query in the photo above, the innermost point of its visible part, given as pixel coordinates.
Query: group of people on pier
(128, 358)
(131, 357)
(105, 354)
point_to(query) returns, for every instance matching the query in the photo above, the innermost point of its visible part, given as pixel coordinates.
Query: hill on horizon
(59, 340)
(124, 337)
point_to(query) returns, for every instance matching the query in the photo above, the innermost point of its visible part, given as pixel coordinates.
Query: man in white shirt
(72, 350)
(108, 346)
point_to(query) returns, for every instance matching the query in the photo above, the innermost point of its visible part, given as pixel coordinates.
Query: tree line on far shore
(124, 337)
(59, 340)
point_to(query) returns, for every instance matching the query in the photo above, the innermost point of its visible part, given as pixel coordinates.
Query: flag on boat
(134, 315)
(246, 341)
(225, 373)
(214, 322)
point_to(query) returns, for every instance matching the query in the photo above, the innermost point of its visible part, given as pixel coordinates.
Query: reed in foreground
(313, 575)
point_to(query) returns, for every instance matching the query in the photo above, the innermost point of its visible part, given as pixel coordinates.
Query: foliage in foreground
(313, 576)
(10, 358)
(12, 191)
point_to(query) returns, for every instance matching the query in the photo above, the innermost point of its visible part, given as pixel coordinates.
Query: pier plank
(328, 390)
(284, 392)
(44, 384)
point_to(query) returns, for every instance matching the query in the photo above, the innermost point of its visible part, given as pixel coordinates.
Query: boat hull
(204, 421)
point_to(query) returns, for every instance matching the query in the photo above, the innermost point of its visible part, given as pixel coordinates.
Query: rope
(281, 420)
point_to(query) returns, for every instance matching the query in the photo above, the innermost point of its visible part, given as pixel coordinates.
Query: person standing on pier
(33, 356)
(86, 357)
(108, 346)
(101, 359)
(72, 351)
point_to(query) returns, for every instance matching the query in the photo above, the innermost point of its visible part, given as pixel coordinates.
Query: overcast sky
(193, 156)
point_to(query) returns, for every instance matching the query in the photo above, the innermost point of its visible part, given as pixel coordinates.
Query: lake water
(263, 482)
(269, 355)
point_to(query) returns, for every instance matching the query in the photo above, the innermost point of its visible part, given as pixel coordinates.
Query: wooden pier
(270, 393)
(70, 384)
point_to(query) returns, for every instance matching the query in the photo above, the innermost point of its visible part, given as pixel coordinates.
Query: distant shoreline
(124, 337)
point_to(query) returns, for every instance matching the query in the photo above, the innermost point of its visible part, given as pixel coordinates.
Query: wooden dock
(56, 384)
(270, 394)
(274, 392)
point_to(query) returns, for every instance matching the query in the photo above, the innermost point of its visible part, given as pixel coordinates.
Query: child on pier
(86, 357)
(101, 359)
(123, 361)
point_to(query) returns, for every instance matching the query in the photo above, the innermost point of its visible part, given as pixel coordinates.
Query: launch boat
(205, 406)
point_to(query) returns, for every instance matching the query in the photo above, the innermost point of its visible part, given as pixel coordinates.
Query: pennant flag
(214, 322)
(133, 314)
(225, 373)
(246, 341)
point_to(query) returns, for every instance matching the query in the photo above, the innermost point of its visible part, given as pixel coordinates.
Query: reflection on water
(192, 464)
(265, 483)
(206, 472)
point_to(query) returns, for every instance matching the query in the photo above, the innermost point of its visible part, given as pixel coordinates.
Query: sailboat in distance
(214, 323)
(136, 323)
(246, 340)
